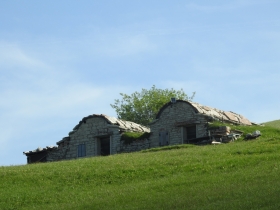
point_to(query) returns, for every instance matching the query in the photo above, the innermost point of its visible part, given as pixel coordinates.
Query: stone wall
(58, 154)
(89, 133)
(171, 121)
(173, 118)
(137, 145)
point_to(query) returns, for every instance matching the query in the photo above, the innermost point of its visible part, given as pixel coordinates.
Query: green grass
(129, 137)
(275, 124)
(239, 175)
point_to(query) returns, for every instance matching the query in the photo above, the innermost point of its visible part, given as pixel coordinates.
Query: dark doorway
(163, 138)
(37, 157)
(105, 146)
(189, 133)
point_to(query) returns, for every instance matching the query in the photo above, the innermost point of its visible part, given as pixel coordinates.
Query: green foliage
(142, 107)
(239, 175)
(129, 137)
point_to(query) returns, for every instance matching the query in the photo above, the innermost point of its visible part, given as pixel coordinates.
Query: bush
(129, 137)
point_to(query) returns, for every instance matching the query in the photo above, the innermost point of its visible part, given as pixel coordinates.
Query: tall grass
(239, 175)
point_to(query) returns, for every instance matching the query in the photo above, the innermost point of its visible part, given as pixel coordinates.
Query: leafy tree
(142, 107)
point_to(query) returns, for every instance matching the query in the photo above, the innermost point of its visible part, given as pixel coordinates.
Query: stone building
(177, 122)
(181, 122)
(95, 135)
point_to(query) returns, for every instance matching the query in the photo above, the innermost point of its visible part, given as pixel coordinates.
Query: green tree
(142, 107)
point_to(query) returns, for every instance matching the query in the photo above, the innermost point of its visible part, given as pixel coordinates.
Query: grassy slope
(239, 175)
(275, 124)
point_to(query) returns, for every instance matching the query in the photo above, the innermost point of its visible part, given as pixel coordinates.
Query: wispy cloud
(39, 97)
(12, 55)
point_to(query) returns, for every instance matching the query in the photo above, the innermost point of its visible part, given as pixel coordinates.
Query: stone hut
(181, 122)
(95, 135)
(177, 122)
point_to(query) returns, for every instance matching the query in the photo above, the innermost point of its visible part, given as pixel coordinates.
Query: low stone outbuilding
(177, 122)
(95, 135)
(181, 122)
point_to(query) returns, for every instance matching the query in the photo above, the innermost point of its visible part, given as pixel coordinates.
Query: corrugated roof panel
(220, 114)
(207, 108)
(132, 126)
(198, 107)
(216, 113)
(112, 120)
(245, 121)
(231, 116)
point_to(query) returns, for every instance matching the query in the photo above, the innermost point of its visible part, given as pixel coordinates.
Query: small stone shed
(95, 135)
(181, 122)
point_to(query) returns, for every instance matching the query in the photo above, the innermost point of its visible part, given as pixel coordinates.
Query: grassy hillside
(275, 124)
(239, 175)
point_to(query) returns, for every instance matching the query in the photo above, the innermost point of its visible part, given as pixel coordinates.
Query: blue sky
(63, 60)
